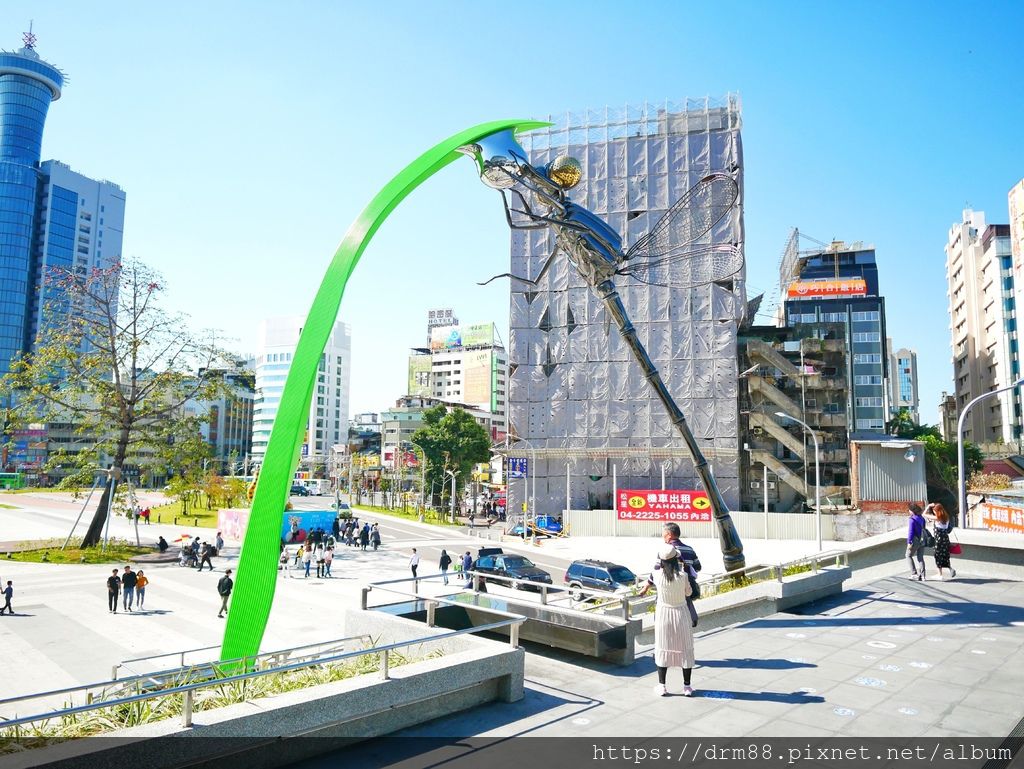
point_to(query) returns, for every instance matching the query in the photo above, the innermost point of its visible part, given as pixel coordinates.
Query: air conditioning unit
(771, 484)
(755, 484)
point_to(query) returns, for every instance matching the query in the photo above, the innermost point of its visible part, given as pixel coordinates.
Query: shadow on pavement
(750, 662)
(792, 698)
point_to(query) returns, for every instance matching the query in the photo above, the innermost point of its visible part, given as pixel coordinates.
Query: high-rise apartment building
(328, 408)
(839, 284)
(983, 326)
(50, 216)
(227, 420)
(574, 386)
(903, 382)
(1015, 199)
(463, 364)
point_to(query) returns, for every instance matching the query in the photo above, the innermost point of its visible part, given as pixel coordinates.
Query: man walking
(113, 591)
(128, 582)
(224, 587)
(8, 593)
(208, 551)
(467, 564)
(691, 563)
(414, 562)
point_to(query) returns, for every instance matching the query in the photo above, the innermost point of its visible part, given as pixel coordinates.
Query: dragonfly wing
(687, 266)
(691, 217)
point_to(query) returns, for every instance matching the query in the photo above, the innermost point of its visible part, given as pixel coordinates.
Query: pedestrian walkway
(893, 658)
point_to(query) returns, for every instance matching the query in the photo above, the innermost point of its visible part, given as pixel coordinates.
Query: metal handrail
(151, 677)
(544, 586)
(188, 689)
(254, 657)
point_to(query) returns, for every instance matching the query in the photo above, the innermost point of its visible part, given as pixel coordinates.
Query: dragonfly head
(501, 161)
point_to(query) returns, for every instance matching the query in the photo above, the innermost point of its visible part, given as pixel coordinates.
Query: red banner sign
(678, 506)
(999, 518)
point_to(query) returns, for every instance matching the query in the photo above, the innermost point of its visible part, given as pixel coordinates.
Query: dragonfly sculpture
(536, 198)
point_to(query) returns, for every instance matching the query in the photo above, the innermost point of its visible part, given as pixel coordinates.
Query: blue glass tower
(27, 86)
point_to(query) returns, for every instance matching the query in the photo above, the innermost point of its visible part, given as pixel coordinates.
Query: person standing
(467, 565)
(320, 564)
(673, 630)
(375, 537)
(936, 512)
(307, 561)
(444, 563)
(328, 560)
(915, 542)
(113, 591)
(690, 564)
(219, 542)
(414, 562)
(285, 566)
(224, 586)
(8, 593)
(364, 536)
(141, 580)
(145, 515)
(128, 581)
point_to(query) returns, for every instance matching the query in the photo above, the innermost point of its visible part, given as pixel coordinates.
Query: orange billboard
(1000, 518)
(816, 289)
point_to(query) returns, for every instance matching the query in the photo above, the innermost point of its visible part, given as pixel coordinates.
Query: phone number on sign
(663, 515)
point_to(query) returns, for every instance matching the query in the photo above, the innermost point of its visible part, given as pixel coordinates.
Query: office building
(50, 217)
(328, 408)
(399, 424)
(903, 382)
(983, 327)
(463, 364)
(1015, 200)
(839, 284)
(575, 389)
(227, 420)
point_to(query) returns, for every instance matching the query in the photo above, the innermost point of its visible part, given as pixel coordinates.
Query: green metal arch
(256, 579)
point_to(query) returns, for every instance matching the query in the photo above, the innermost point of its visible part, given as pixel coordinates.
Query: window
(867, 358)
(869, 402)
(866, 336)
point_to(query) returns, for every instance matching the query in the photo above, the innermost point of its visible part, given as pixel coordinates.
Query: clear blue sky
(248, 135)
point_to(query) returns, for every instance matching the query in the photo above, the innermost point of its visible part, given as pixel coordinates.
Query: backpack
(928, 539)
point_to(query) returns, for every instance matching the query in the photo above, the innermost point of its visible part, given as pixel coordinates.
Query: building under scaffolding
(575, 392)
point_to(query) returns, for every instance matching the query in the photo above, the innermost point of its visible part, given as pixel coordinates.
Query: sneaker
(920, 577)
(687, 691)
(952, 573)
(913, 575)
(660, 690)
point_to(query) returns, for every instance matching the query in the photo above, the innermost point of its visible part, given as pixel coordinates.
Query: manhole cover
(868, 657)
(908, 711)
(881, 645)
(921, 665)
(890, 668)
(988, 638)
(866, 681)
(844, 712)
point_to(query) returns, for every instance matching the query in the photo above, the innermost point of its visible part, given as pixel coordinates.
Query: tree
(902, 422)
(114, 363)
(451, 441)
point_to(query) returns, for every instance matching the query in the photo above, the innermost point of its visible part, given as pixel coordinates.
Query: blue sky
(248, 135)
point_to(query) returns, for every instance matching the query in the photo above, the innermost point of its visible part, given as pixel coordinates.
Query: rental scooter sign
(679, 506)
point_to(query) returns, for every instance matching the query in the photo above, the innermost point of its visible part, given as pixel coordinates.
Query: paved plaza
(889, 657)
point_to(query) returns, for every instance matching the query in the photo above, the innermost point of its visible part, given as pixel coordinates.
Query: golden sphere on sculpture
(565, 171)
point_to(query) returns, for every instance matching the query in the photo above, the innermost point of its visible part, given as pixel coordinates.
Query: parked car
(515, 567)
(597, 575)
(344, 510)
(298, 490)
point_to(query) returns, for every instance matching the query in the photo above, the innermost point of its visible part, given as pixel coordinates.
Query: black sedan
(515, 568)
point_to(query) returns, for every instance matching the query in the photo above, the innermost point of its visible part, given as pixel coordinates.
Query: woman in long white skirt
(673, 630)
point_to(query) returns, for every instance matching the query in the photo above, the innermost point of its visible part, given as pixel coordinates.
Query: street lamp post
(961, 482)
(453, 473)
(532, 493)
(817, 471)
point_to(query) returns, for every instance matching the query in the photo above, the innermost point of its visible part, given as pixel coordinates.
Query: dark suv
(298, 490)
(597, 575)
(515, 567)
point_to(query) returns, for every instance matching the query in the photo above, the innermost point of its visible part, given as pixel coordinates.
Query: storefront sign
(679, 506)
(817, 289)
(999, 518)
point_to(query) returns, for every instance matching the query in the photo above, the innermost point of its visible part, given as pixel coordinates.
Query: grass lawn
(429, 516)
(118, 551)
(196, 516)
